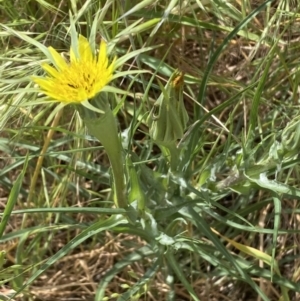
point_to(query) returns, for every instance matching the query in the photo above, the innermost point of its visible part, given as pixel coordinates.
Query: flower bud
(168, 118)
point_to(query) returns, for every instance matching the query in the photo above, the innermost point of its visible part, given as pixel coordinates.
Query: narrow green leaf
(128, 260)
(120, 61)
(277, 215)
(137, 7)
(254, 113)
(94, 229)
(12, 199)
(178, 271)
(217, 53)
(87, 210)
(142, 282)
(205, 229)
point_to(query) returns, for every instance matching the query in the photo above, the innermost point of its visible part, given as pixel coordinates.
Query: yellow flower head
(79, 80)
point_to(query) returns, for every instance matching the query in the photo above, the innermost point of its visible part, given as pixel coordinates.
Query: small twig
(41, 157)
(54, 20)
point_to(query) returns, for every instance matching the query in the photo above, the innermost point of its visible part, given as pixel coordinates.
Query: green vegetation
(206, 100)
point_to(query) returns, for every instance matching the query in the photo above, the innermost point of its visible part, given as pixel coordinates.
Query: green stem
(174, 152)
(170, 150)
(104, 128)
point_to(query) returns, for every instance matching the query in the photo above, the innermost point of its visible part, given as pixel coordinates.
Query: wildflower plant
(79, 82)
(169, 196)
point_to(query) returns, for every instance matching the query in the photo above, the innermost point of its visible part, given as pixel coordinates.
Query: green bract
(168, 117)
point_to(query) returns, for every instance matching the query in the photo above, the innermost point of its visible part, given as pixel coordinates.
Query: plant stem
(105, 130)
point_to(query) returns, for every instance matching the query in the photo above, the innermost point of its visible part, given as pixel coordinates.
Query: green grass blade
(138, 289)
(128, 260)
(219, 50)
(205, 229)
(178, 271)
(92, 230)
(12, 199)
(87, 210)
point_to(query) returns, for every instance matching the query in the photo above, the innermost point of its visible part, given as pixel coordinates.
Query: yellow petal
(50, 70)
(102, 56)
(85, 51)
(58, 97)
(82, 94)
(82, 78)
(99, 86)
(111, 67)
(44, 83)
(58, 61)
